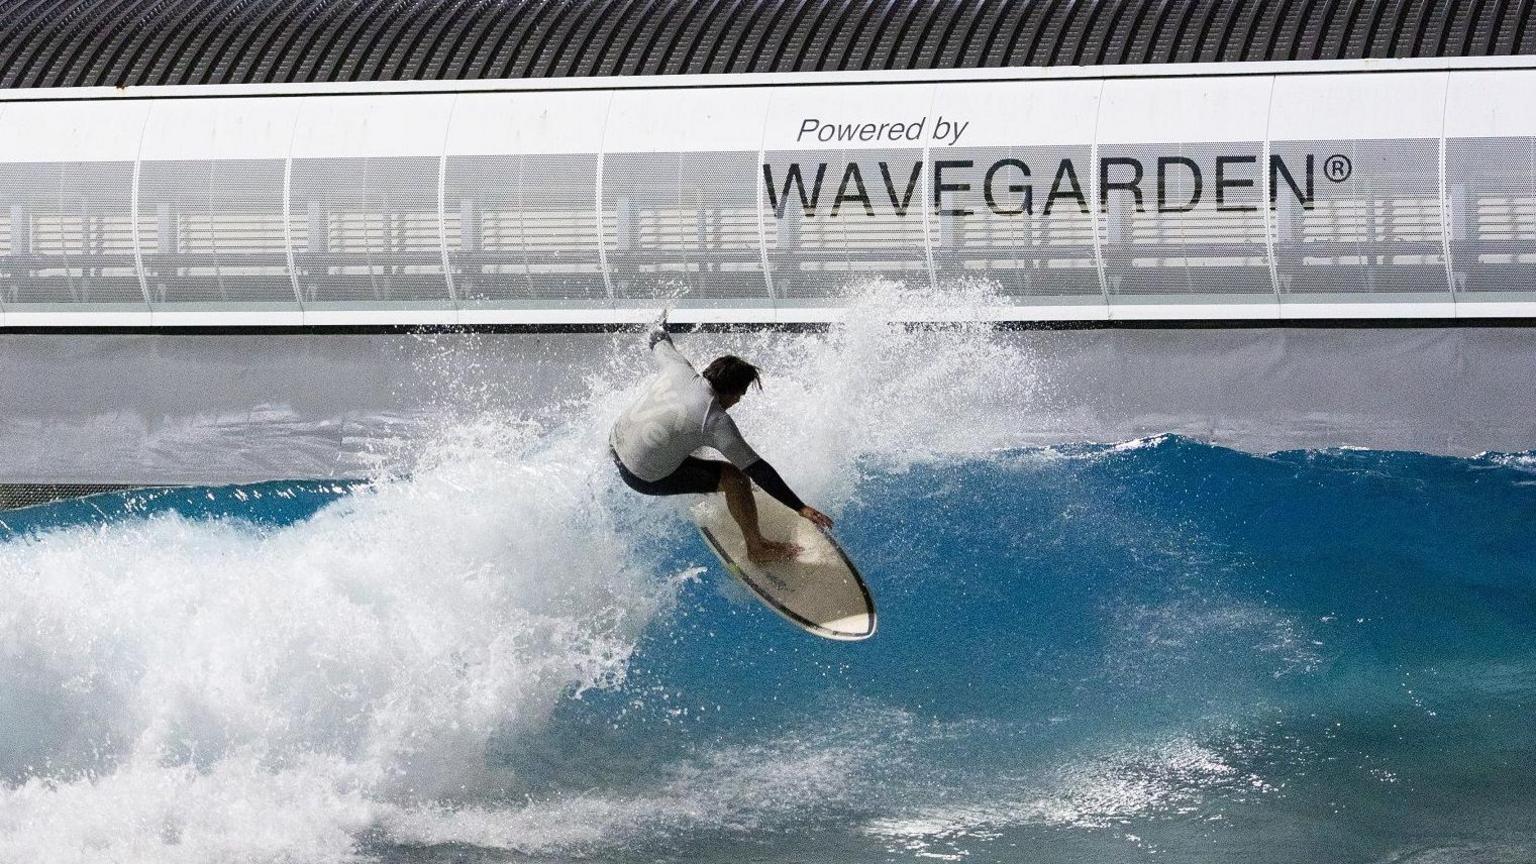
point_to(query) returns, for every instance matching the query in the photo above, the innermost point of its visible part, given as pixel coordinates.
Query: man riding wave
(682, 410)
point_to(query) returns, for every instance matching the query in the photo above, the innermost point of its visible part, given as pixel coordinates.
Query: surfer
(682, 410)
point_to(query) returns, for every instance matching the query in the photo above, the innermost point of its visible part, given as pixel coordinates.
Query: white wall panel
(1373, 229)
(499, 123)
(340, 127)
(67, 175)
(211, 232)
(1490, 186)
(673, 121)
(14, 229)
(1484, 104)
(364, 218)
(1182, 217)
(72, 131)
(859, 209)
(743, 202)
(1012, 113)
(1004, 227)
(679, 197)
(519, 199)
(1149, 111)
(258, 128)
(1398, 105)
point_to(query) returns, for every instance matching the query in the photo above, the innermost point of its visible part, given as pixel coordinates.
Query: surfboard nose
(851, 627)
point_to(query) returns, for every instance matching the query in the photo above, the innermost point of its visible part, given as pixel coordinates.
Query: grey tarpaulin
(150, 409)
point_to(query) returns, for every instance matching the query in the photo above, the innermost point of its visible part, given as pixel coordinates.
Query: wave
(1086, 649)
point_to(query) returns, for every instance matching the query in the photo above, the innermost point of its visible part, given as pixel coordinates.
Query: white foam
(734, 789)
(1142, 443)
(160, 673)
(173, 690)
(875, 388)
(1102, 791)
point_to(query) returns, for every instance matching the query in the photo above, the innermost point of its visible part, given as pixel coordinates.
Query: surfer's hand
(659, 328)
(818, 518)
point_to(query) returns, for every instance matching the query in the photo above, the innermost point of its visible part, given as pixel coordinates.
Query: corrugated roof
(77, 43)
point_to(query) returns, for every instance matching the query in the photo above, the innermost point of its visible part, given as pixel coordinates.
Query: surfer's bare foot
(767, 550)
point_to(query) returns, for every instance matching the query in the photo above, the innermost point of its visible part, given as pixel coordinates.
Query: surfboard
(819, 591)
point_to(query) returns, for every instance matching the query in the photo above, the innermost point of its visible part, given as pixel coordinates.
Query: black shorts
(693, 477)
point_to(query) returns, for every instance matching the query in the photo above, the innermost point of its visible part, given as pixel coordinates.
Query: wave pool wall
(1337, 189)
(208, 409)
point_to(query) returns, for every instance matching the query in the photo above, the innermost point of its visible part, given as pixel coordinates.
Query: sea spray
(179, 689)
(365, 655)
(492, 650)
(1094, 652)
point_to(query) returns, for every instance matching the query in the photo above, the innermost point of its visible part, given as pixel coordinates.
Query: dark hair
(731, 376)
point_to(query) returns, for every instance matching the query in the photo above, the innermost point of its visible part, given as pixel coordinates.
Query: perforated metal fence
(1335, 193)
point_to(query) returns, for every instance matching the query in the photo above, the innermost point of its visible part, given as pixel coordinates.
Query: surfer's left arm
(765, 476)
(725, 437)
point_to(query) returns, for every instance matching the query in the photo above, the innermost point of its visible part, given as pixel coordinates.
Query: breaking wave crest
(1086, 650)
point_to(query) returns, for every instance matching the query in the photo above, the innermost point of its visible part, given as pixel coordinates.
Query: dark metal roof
(75, 43)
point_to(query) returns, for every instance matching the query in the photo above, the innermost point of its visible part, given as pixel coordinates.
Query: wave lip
(1160, 642)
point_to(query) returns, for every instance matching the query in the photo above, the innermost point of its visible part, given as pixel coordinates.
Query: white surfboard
(819, 591)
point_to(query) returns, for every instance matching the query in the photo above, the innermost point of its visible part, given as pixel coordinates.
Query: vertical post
(133, 214)
(925, 194)
(1271, 204)
(1445, 216)
(597, 203)
(626, 235)
(442, 207)
(1097, 219)
(1460, 219)
(1115, 219)
(166, 243)
(318, 238)
(602, 245)
(21, 241)
(293, 271)
(21, 230)
(760, 184)
(165, 225)
(625, 231)
(1093, 201)
(1269, 199)
(469, 225)
(442, 220)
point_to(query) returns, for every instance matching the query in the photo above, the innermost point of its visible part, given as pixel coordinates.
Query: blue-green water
(1162, 650)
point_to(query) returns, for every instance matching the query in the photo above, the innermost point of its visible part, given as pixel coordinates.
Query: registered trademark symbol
(1337, 168)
